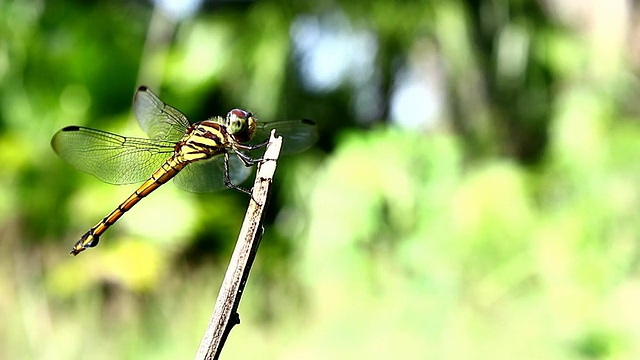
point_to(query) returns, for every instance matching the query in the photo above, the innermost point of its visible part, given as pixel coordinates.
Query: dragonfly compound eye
(241, 124)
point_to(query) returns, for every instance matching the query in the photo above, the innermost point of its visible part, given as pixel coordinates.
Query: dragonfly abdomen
(166, 172)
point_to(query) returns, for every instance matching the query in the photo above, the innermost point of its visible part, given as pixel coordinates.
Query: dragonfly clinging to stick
(201, 157)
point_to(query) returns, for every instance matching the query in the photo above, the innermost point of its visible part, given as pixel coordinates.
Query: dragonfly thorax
(241, 124)
(203, 140)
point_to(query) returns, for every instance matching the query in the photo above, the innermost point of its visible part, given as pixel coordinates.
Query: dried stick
(225, 314)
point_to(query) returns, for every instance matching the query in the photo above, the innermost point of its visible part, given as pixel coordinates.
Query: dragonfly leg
(227, 179)
(246, 159)
(252, 146)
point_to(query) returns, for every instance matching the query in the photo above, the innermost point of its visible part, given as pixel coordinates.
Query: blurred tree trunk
(519, 103)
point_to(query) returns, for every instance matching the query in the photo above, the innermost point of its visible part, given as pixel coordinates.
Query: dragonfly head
(241, 124)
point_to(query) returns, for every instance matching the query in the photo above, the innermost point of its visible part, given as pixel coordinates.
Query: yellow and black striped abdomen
(168, 170)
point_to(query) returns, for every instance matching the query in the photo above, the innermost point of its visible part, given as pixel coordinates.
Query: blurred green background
(475, 192)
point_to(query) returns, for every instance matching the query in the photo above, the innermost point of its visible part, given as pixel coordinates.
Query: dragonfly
(204, 156)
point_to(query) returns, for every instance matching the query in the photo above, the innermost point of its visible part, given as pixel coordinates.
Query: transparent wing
(298, 135)
(112, 158)
(159, 120)
(208, 175)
